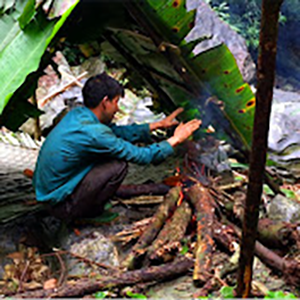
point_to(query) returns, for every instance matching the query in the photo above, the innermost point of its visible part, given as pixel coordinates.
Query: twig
(62, 269)
(23, 275)
(62, 89)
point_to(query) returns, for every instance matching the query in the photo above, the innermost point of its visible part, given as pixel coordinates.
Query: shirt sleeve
(132, 133)
(105, 142)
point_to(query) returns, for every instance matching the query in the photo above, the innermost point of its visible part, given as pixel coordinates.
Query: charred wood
(171, 234)
(204, 209)
(133, 190)
(158, 220)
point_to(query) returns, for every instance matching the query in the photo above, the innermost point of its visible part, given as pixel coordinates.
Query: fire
(181, 196)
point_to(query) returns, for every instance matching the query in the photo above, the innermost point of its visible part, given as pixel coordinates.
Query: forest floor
(34, 272)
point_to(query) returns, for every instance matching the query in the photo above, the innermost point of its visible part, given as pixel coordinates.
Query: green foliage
(132, 295)
(227, 292)
(101, 294)
(27, 35)
(289, 194)
(267, 190)
(279, 295)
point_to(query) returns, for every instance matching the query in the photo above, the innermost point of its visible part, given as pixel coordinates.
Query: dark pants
(92, 193)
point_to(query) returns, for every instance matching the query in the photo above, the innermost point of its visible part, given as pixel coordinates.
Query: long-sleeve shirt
(79, 142)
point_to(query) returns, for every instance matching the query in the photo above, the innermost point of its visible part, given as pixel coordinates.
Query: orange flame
(181, 196)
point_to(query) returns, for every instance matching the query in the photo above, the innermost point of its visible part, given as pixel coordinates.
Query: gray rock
(284, 133)
(208, 24)
(284, 209)
(94, 246)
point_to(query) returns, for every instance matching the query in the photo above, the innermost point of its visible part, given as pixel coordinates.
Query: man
(84, 158)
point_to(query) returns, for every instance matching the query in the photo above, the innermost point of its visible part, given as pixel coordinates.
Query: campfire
(198, 216)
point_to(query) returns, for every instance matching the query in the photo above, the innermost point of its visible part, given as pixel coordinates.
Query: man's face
(111, 108)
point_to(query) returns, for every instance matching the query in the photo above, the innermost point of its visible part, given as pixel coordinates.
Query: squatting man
(84, 159)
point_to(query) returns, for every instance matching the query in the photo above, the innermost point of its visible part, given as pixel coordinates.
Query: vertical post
(264, 95)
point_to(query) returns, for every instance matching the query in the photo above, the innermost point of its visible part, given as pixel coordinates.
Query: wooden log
(205, 207)
(134, 190)
(273, 234)
(171, 234)
(288, 267)
(158, 220)
(88, 286)
(277, 234)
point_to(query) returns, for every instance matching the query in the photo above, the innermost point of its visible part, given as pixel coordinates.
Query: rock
(208, 24)
(93, 245)
(284, 137)
(284, 209)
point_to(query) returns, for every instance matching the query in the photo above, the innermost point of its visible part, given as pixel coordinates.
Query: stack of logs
(197, 218)
(161, 241)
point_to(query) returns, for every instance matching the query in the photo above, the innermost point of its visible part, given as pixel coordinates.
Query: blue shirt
(80, 141)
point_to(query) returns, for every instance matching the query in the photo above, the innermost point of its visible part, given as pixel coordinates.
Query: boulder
(210, 25)
(284, 209)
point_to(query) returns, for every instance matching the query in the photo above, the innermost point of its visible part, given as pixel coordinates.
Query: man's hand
(167, 122)
(183, 131)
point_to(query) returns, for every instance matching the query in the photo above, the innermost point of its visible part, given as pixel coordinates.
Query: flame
(181, 196)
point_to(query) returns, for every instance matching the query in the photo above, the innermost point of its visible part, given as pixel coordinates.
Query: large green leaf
(215, 71)
(28, 14)
(23, 53)
(218, 70)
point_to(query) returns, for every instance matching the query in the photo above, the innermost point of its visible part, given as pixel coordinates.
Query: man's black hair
(98, 87)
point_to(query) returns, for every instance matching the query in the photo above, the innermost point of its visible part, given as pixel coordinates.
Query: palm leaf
(23, 53)
(214, 72)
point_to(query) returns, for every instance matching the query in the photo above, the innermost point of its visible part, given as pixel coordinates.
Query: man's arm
(105, 142)
(141, 133)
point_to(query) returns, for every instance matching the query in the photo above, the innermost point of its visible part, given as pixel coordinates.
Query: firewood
(273, 234)
(134, 190)
(172, 233)
(288, 267)
(158, 220)
(88, 286)
(205, 208)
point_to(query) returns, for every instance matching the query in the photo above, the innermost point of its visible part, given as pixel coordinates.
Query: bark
(172, 234)
(163, 212)
(265, 82)
(133, 190)
(273, 234)
(289, 268)
(277, 234)
(204, 207)
(88, 286)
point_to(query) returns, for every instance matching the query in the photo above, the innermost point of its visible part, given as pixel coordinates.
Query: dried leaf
(50, 284)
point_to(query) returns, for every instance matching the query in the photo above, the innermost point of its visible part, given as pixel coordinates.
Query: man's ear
(104, 102)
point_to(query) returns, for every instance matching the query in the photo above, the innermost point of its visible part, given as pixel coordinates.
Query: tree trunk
(265, 82)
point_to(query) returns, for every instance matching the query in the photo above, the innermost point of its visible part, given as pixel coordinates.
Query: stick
(173, 232)
(133, 190)
(88, 286)
(152, 230)
(43, 101)
(204, 207)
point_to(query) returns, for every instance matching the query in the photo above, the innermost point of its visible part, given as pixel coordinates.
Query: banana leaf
(215, 70)
(22, 54)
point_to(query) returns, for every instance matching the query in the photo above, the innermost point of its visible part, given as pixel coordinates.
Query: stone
(284, 209)
(93, 245)
(210, 25)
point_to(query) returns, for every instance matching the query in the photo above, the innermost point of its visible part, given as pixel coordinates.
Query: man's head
(101, 94)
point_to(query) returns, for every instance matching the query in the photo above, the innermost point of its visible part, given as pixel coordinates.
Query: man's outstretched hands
(183, 131)
(167, 122)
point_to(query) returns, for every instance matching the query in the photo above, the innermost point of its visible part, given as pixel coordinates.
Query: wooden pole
(264, 94)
